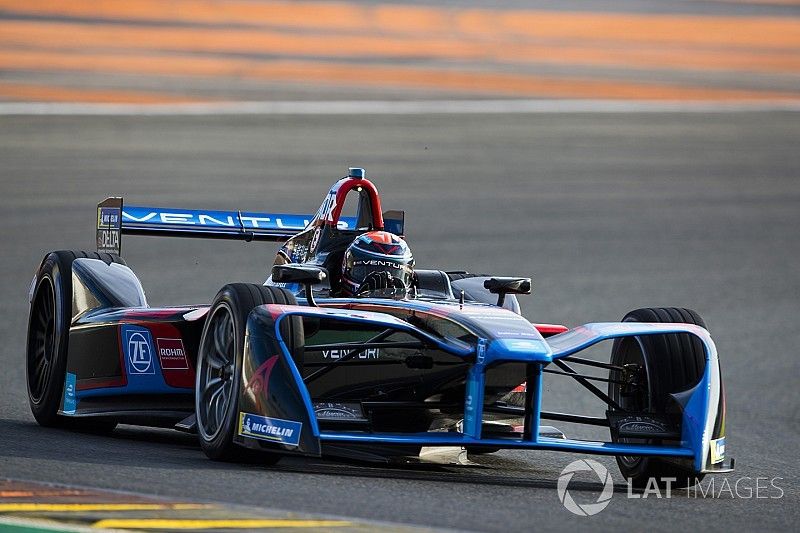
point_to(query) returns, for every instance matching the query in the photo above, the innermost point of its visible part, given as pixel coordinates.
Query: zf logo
(139, 353)
(139, 348)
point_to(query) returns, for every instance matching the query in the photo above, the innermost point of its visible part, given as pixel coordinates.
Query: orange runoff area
(310, 71)
(475, 51)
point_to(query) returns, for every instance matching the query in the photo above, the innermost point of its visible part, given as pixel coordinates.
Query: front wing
(275, 397)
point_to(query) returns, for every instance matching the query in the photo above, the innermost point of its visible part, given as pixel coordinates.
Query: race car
(312, 363)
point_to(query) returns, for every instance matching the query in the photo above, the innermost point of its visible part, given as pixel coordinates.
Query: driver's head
(376, 260)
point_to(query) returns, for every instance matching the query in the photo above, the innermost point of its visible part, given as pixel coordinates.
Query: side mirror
(503, 286)
(394, 222)
(308, 275)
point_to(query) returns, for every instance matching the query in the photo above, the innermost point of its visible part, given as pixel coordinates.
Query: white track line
(385, 107)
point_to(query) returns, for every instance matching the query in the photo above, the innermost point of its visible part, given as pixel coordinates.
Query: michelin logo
(272, 429)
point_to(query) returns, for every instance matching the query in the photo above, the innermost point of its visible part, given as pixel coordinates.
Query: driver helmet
(376, 260)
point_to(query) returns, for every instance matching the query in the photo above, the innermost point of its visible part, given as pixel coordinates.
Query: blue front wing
(700, 412)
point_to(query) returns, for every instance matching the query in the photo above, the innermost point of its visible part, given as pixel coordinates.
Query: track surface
(607, 212)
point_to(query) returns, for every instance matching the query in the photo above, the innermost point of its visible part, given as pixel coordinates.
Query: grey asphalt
(703, 7)
(607, 212)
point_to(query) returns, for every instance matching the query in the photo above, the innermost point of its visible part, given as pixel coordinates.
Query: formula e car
(286, 368)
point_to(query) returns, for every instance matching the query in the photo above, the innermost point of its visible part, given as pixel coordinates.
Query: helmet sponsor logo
(375, 262)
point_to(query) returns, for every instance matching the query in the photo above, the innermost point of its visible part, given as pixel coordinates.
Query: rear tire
(219, 367)
(48, 339)
(672, 363)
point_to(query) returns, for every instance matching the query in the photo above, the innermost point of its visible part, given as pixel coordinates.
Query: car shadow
(173, 449)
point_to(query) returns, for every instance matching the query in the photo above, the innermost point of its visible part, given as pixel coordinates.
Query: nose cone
(530, 350)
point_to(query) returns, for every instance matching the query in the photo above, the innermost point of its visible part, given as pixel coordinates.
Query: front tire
(219, 368)
(672, 363)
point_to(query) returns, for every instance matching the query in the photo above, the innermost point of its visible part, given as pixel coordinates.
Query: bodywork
(430, 369)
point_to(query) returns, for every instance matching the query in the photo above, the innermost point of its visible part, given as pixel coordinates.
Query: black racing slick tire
(671, 363)
(48, 338)
(219, 367)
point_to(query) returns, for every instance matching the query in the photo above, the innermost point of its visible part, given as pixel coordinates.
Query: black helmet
(376, 260)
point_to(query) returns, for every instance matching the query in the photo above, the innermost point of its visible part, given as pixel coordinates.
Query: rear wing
(115, 220)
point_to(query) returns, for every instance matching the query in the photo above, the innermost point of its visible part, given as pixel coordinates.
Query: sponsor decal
(271, 429)
(369, 353)
(315, 238)
(469, 412)
(481, 349)
(231, 220)
(299, 252)
(524, 345)
(645, 426)
(70, 400)
(533, 335)
(641, 427)
(338, 411)
(328, 207)
(108, 229)
(172, 354)
(108, 217)
(214, 219)
(717, 450)
(138, 346)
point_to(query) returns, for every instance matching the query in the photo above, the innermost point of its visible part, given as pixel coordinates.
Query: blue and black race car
(349, 350)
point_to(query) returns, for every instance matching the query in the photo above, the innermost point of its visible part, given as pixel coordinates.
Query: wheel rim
(638, 403)
(41, 340)
(215, 373)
